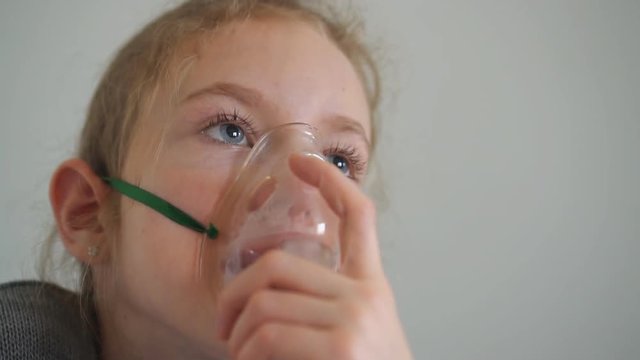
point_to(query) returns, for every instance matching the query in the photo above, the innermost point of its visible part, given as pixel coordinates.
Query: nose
(294, 200)
(303, 207)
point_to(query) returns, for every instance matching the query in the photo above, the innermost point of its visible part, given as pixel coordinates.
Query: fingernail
(312, 155)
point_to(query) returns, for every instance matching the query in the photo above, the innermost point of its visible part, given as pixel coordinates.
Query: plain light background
(509, 151)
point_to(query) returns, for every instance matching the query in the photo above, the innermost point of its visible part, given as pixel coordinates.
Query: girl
(176, 111)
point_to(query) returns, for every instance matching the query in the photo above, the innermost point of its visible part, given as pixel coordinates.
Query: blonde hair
(131, 81)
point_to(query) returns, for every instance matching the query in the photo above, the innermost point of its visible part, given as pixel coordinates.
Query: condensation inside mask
(267, 207)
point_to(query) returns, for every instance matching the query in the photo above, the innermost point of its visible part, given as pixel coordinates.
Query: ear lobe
(77, 194)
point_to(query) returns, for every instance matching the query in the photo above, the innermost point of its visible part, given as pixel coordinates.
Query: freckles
(201, 197)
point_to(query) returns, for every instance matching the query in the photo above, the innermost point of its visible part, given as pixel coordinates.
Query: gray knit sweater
(43, 321)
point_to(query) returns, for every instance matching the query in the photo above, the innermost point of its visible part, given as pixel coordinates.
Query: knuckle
(375, 296)
(343, 345)
(369, 293)
(248, 351)
(272, 261)
(363, 307)
(259, 304)
(354, 311)
(266, 336)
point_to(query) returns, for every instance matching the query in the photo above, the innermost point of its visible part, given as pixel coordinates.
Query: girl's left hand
(284, 307)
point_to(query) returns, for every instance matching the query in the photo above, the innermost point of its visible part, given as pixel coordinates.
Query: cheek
(157, 260)
(164, 242)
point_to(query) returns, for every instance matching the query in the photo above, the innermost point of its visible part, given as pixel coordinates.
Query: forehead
(290, 64)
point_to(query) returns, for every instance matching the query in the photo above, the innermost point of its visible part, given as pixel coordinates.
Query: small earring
(92, 250)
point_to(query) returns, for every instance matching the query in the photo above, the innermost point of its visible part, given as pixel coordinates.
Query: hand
(284, 307)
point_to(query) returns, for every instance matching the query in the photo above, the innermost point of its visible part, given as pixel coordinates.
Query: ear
(77, 194)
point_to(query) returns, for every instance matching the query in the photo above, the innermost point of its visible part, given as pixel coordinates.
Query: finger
(282, 307)
(356, 211)
(287, 342)
(275, 270)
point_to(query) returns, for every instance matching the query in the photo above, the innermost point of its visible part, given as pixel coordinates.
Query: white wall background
(510, 155)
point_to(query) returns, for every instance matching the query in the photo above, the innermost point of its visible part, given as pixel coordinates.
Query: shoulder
(39, 320)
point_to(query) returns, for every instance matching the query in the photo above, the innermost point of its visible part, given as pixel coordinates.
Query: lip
(253, 248)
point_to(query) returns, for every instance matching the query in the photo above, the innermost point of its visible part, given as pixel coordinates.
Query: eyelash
(349, 152)
(233, 118)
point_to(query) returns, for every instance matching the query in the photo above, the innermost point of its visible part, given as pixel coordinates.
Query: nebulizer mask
(266, 207)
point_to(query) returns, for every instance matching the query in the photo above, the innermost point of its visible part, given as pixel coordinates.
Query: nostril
(303, 215)
(298, 210)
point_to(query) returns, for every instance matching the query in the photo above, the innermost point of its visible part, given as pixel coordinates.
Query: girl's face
(245, 79)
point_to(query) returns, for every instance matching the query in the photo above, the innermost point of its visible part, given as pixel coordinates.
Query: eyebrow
(348, 125)
(245, 95)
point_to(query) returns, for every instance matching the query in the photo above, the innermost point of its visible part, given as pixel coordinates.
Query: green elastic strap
(162, 206)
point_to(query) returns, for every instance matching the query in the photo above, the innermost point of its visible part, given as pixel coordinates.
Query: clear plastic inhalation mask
(267, 207)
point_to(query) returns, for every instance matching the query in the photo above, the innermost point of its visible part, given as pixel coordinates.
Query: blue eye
(347, 159)
(227, 133)
(341, 163)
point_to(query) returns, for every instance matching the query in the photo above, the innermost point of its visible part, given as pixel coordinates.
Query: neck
(129, 334)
